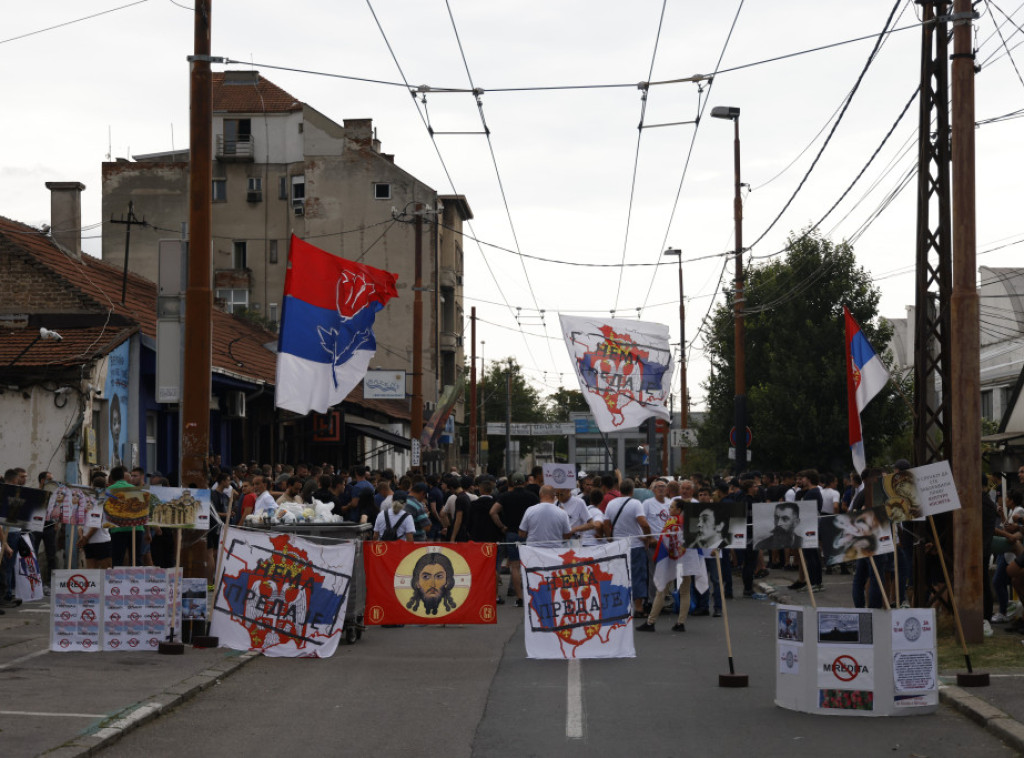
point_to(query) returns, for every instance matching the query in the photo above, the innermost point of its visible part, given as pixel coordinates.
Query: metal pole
(508, 421)
(684, 396)
(472, 390)
(195, 438)
(417, 333)
(965, 338)
(739, 303)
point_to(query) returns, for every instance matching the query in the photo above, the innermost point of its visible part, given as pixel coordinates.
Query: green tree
(796, 361)
(564, 401)
(527, 407)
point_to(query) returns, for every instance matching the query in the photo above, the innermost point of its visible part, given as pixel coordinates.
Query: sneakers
(645, 627)
(748, 593)
(679, 628)
(500, 600)
(797, 585)
(761, 573)
(819, 588)
(10, 602)
(718, 613)
(999, 618)
(518, 603)
(986, 629)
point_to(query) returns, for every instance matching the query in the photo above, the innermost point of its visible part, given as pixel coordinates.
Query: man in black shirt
(507, 513)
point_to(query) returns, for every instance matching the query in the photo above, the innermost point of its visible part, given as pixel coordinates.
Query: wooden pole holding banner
(172, 646)
(732, 679)
(810, 589)
(209, 640)
(878, 578)
(133, 547)
(895, 563)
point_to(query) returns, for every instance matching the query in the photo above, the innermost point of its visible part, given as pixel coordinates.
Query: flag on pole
(672, 560)
(624, 368)
(327, 317)
(866, 375)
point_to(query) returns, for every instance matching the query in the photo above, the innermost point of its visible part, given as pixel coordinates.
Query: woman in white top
(401, 522)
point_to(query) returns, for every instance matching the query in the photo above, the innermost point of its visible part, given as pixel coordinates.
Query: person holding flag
(866, 375)
(669, 555)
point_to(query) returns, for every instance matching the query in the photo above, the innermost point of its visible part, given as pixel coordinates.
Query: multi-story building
(282, 168)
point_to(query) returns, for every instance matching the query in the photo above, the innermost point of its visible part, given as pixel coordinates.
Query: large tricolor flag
(865, 377)
(326, 340)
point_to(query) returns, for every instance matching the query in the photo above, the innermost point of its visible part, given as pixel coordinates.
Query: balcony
(235, 149)
(232, 278)
(450, 341)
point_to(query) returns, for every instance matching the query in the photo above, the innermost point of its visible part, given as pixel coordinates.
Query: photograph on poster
(846, 700)
(785, 526)
(845, 627)
(791, 625)
(849, 536)
(711, 526)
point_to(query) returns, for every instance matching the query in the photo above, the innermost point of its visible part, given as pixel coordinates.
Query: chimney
(360, 131)
(66, 216)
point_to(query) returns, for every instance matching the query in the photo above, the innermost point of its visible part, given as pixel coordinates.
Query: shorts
(509, 549)
(638, 571)
(97, 551)
(1019, 560)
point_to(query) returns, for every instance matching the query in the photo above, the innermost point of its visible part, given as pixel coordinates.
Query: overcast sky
(117, 84)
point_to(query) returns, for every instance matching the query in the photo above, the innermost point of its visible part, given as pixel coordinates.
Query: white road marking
(574, 702)
(16, 661)
(58, 715)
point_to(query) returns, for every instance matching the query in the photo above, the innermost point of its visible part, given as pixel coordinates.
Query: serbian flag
(672, 561)
(417, 583)
(866, 375)
(326, 340)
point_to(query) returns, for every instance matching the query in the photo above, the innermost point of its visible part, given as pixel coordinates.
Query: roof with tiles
(248, 92)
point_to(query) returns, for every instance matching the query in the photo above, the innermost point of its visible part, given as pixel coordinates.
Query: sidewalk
(72, 704)
(998, 708)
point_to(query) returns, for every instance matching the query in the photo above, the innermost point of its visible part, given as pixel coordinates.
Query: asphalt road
(470, 691)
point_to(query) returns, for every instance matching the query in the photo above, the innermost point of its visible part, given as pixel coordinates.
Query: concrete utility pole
(965, 338)
(472, 390)
(417, 334)
(195, 415)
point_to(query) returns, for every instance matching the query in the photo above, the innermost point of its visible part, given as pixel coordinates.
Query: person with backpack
(394, 523)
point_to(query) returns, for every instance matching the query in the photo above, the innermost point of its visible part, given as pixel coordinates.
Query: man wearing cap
(507, 514)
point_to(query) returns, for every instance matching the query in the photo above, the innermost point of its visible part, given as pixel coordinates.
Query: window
(238, 254)
(234, 300)
(273, 251)
(272, 312)
(237, 136)
(255, 184)
(298, 190)
(220, 190)
(282, 188)
(447, 368)
(151, 436)
(381, 191)
(986, 404)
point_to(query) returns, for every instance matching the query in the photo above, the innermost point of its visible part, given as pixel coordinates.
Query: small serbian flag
(418, 583)
(866, 375)
(326, 340)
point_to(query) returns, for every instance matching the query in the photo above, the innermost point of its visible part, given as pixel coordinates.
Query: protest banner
(139, 606)
(179, 508)
(75, 607)
(714, 526)
(785, 525)
(23, 507)
(124, 506)
(579, 601)
(413, 583)
(916, 493)
(849, 536)
(28, 582)
(281, 595)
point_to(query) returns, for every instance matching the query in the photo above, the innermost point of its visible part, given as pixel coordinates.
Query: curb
(984, 715)
(91, 742)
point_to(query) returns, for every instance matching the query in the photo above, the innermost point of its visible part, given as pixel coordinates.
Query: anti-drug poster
(845, 663)
(75, 606)
(139, 604)
(282, 595)
(579, 602)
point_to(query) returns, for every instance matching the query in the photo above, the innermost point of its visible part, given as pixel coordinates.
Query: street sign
(732, 436)
(732, 454)
(497, 429)
(683, 438)
(415, 451)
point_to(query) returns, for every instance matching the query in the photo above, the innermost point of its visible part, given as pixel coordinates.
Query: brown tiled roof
(248, 97)
(237, 344)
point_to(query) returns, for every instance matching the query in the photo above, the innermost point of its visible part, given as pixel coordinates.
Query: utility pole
(508, 421)
(128, 223)
(472, 390)
(684, 399)
(195, 433)
(965, 339)
(417, 334)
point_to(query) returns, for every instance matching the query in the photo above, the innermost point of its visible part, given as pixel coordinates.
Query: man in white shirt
(625, 519)
(574, 507)
(545, 521)
(265, 505)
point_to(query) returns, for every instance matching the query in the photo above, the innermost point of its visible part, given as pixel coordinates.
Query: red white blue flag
(326, 340)
(866, 375)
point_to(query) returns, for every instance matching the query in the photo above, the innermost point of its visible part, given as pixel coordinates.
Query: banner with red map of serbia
(579, 601)
(624, 368)
(416, 583)
(282, 595)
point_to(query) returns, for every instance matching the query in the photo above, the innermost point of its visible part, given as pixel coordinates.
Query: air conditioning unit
(254, 196)
(234, 405)
(300, 210)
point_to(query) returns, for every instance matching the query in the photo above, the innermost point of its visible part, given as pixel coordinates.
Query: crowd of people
(454, 507)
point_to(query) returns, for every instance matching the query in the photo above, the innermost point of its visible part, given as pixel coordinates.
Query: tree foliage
(527, 407)
(796, 361)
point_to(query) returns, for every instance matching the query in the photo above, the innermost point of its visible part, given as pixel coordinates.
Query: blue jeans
(638, 569)
(813, 560)
(1001, 584)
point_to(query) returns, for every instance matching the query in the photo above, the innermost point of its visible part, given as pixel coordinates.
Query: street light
(44, 334)
(733, 114)
(684, 400)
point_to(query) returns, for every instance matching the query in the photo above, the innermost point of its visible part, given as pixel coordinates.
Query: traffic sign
(732, 436)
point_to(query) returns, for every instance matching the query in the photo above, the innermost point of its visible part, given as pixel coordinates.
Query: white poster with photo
(714, 526)
(848, 536)
(785, 526)
(75, 606)
(28, 581)
(179, 507)
(915, 494)
(579, 602)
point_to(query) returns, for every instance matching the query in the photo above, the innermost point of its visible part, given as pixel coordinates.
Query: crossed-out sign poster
(846, 675)
(120, 609)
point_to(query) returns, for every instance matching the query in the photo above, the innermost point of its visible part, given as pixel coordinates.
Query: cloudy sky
(566, 176)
